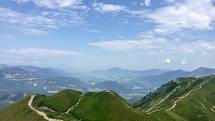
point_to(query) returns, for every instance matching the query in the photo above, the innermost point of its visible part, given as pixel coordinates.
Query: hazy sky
(96, 34)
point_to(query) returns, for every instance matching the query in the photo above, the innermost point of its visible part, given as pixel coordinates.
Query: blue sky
(98, 34)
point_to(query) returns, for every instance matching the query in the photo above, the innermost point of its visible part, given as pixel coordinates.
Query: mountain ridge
(91, 106)
(182, 99)
(186, 99)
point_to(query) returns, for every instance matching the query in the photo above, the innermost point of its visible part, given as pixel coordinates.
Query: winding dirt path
(176, 101)
(213, 109)
(44, 115)
(150, 110)
(73, 107)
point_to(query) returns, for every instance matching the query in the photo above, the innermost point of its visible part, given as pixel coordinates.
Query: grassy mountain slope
(19, 111)
(166, 94)
(198, 106)
(184, 99)
(92, 106)
(60, 102)
(106, 106)
(193, 103)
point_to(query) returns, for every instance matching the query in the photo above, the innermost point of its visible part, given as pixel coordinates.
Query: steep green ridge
(59, 102)
(195, 99)
(106, 106)
(166, 94)
(19, 111)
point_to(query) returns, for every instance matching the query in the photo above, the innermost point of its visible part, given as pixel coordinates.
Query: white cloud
(123, 45)
(170, 1)
(147, 3)
(38, 56)
(190, 14)
(32, 31)
(4, 36)
(52, 14)
(102, 7)
(53, 4)
(92, 30)
(41, 52)
(17, 18)
(151, 44)
(198, 47)
(49, 20)
(183, 62)
(167, 61)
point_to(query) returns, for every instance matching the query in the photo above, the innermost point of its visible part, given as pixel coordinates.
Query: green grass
(19, 111)
(106, 106)
(195, 107)
(94, 106)
(61, 101)
(167, 94)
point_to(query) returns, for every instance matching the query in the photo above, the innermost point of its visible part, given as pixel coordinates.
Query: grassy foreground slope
(19, 111)
(197, 104)
(92, 106)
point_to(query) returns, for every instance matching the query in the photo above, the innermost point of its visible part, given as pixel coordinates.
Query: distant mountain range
(119, 73)
(139, 83)
(159, 75)
(129, 84)
(182, 99)
(158, 80)
(31, 79)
